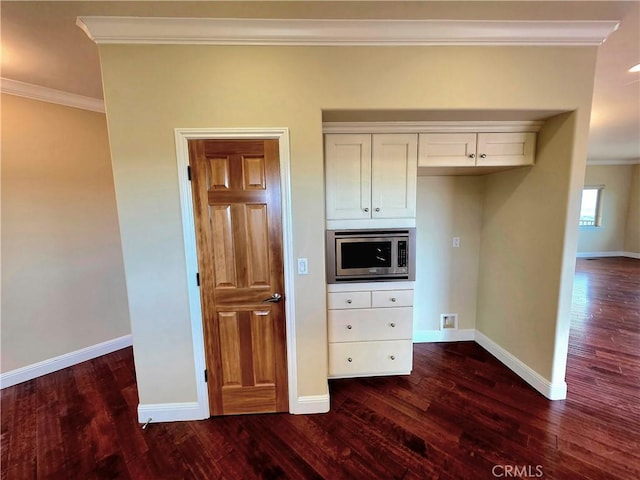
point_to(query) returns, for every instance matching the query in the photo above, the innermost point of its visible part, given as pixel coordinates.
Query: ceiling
(41, 45)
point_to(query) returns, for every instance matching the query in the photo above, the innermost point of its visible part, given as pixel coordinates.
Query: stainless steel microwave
(370, 255)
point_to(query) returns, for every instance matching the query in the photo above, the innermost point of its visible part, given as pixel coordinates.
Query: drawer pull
(393, 299)
(349, 300)
(392, 325)
(392, 357)
(349, 359)
(349, 327)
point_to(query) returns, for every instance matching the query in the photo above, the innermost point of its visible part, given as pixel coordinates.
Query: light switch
(303, 266)
(456, 242)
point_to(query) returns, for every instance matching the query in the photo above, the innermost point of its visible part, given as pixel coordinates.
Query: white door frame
(182, 137)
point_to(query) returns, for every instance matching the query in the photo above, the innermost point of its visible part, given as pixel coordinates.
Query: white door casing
(182, 136)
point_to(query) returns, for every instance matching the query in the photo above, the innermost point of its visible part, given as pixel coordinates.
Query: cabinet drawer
(392, 298)
(340, 300)
(370, 358)
(370, 324)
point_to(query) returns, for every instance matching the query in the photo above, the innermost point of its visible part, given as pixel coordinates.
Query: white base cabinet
(370, 329)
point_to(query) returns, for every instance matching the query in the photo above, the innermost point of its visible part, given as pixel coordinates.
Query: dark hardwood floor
(460, 415)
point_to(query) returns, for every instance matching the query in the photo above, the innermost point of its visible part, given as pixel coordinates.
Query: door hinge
(189, 172)
(206, 379)
(198, 278)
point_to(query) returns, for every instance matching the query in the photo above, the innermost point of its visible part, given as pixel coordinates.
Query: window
(591, 207)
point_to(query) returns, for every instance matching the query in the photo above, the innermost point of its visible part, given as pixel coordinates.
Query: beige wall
(632, 233)
(610, 236)
(212, 86)
(447, 277)
(63, 286)
(526, 264)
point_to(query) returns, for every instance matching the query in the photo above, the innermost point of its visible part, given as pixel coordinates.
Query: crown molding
(44, 94)
(432, 127)
(381, 32)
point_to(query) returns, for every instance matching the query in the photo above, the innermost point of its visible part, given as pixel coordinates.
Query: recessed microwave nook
(370, 255)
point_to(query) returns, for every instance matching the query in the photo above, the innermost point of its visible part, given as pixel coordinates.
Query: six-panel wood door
(237, 209)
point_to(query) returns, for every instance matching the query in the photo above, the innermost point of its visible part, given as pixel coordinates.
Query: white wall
(63, 285)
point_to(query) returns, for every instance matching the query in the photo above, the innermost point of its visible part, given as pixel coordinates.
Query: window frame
(597, 223)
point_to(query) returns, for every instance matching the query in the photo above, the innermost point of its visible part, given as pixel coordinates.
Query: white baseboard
(311, 404)
(599, 254)
(445, 335)
(171, 412)
(51, 365)
(607, 254)
(178, 412)
(557, 391)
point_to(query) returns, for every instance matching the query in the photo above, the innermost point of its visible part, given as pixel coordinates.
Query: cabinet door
(395, 171)
(506, 149)
(447, 150)
(348, 176)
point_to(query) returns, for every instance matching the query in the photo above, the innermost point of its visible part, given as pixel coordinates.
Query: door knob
(275, 298)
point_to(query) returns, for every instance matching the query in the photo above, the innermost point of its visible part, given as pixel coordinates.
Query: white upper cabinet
(348, 176)
(447, 150)
(394, 172)
(370, 180)
(508, 149)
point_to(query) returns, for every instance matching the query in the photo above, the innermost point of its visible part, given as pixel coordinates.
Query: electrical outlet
(456, 242)
(448, 320)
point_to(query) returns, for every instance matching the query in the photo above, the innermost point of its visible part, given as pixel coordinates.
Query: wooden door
(394, 175)
(236, 196)
(348, 176)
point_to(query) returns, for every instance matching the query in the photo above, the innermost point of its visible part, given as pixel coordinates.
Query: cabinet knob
(366, 209)
(349, 327)
(392, 325)
(393, 299)
(483, 155)
(349, 300)
(349, 359)
(472, 155)
(378, 209)
(392, 357)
